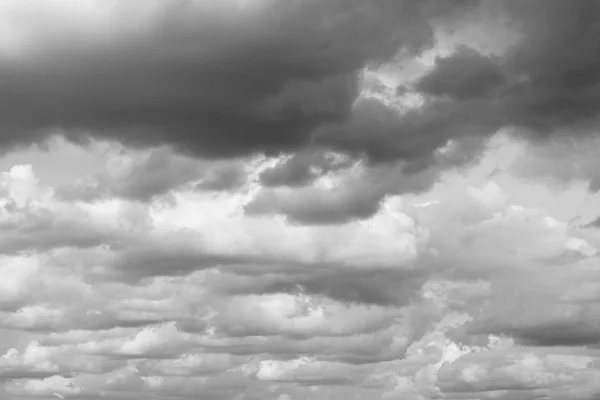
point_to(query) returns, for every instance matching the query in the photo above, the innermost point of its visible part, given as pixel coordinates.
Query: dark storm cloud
(358, 199)
(219, 82)
(559, 59)
(549, 81)
(383, 134)
(465, 75)
(213, 81)
(548, 84)
(208, 80)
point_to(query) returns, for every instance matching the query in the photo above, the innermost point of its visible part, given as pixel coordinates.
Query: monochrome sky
(300, 199)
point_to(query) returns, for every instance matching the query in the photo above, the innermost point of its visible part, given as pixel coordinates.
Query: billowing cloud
(291, 200)
(281, 69)
(277, 77)
(562, 162)
(466, 289)
(465, 74)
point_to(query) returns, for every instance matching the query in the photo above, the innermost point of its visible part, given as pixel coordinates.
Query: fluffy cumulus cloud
(299, 199)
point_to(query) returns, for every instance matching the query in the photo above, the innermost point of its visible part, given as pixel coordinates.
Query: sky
(300, 199)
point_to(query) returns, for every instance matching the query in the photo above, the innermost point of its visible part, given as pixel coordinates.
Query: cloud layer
(466, 290)
(292, 200)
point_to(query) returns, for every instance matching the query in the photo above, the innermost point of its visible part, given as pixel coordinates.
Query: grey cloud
(25, 374)
(502, 394)
(154, 258)
(217, 363)
(224, 178)
(561, 162)
(547, 84)
(386, 288)
(78, 319)
(537, 321)
(507, 374)
(153, 175)
(557, 335)
(43, 229)
(280, 79)
(292, 172)
(360, 198)
(315, 206)
(565, 258)
(302, 169)
(357, 349)
(384, 134)
(466, 74)
(235, 83)
(551, 73)
(178, 254)
(592, 224)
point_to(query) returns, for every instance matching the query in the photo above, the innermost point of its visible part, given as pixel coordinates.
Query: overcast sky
(300, 199)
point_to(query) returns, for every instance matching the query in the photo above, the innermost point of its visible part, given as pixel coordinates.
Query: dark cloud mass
(464, 75)
(209, 80)
(218, 81)
(300, 199)
(153, 174)
(558, 60)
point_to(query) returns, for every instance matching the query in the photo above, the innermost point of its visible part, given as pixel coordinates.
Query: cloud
(302, 169)
(354, 286)
(517, 371)
(125, 240)
(561, 162)
(277, 67)
(146, 175)
(466, 74)
(196, 296)
(55, 385)
(27, 365)
(213, 92)
(544, 91)
(593, 224)
(357, 191)
(327, 200)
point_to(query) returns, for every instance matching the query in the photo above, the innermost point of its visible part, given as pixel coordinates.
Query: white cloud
(52, 386)
(466, 290)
